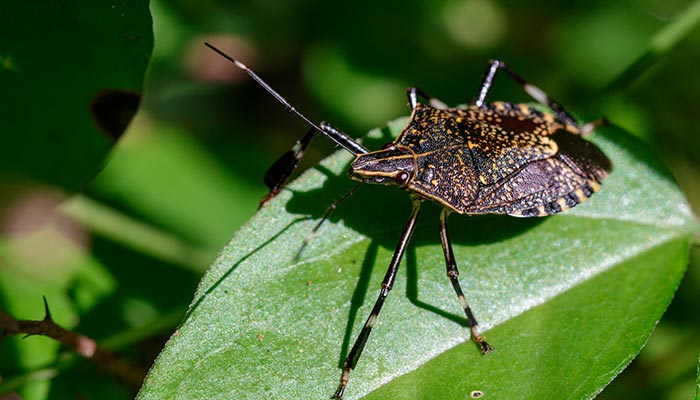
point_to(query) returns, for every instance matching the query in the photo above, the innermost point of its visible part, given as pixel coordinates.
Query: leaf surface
(567, 301)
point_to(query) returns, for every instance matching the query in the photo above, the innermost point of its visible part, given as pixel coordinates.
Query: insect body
(498, 158)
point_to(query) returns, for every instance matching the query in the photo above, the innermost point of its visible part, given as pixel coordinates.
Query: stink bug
(486, 158)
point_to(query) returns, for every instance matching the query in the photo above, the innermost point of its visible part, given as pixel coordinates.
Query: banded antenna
(339, 137)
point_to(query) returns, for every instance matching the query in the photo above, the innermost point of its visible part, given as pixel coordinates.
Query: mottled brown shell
(502, 158)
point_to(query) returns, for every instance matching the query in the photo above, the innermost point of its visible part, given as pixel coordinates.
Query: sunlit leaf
(567, 300)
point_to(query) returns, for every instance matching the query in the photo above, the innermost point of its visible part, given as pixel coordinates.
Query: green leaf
(660, 44)
(160, 175)
(567, 301)
(697, 383)
(71, 74)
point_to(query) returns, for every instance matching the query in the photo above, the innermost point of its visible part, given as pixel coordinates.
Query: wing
(504, 137)
(504, 158)
(548, 186)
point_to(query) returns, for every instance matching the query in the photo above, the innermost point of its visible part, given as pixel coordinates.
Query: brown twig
(83, 345)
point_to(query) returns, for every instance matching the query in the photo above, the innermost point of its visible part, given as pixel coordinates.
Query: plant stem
(663, 41)
(136, 234)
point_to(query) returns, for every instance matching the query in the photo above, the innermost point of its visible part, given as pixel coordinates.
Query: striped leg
(593, 125)
(277, 176)
(536, 93)
(453, 274)
(326, 215)
(354, 354)
(279, 172)
(413, 94)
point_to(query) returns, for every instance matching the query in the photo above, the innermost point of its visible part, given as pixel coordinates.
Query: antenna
(343, 140)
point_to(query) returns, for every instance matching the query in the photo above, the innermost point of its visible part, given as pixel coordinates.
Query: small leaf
(567, 301)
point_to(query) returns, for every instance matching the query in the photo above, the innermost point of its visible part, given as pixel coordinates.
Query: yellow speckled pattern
(501, 158)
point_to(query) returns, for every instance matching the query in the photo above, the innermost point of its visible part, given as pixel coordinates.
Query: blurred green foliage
(120, 262)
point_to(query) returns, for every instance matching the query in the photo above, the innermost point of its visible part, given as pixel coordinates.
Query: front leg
(277, 176)
(388, 282)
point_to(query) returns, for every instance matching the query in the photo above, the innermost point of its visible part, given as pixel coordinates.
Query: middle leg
(356, 351)
(413, 93)
(535, 92)
(453, 274)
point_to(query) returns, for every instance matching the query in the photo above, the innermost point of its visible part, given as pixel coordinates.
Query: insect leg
(279, 172)
(536, 93)
(387, 283)
(413, 94)
(326, 215)
(593, 125)
(453, 273)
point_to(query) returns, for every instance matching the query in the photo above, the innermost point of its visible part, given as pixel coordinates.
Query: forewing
(545, 187)
(505, 137)
(503, 158)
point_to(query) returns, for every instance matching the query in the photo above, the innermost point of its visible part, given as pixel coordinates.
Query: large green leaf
(71, 74)
(567, 300)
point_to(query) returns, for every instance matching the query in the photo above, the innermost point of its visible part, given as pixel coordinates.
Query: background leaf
(590, 283)
(71, 75)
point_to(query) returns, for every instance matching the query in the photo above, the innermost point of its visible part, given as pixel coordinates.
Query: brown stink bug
(486, 158)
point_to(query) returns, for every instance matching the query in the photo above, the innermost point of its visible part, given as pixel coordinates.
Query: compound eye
(402, 178)
(389, 146)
